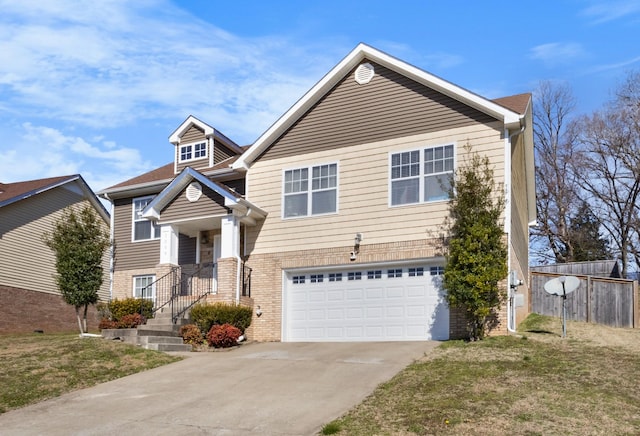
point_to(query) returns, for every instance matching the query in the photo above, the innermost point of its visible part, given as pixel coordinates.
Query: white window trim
(133, 221)
(310, 190)
(153, 288)
(193, 150)
(421, 174)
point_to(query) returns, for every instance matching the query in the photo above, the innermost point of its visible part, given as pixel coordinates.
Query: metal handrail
(169, 290)
(246, 280)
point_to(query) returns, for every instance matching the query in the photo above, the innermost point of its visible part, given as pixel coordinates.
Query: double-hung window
(419, 176)
(193, 151)
(311, 191)
(143, 229)
(144, 286)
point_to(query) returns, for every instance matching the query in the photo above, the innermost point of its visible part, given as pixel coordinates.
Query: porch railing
(246, 280)
(180, 289)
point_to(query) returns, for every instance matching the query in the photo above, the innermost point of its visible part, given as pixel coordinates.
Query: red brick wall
(23, 311)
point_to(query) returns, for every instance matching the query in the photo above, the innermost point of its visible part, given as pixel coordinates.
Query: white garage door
(391, 303)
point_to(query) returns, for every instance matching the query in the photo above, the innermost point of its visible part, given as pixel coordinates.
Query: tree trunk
(79, 320)
(84, 320)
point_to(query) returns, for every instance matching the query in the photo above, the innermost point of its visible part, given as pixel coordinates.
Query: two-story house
(29, 295)
(329, 224)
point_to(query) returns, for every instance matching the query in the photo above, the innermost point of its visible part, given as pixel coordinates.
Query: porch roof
(247, 212)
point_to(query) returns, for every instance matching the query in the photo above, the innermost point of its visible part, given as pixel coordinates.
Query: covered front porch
(201, 226)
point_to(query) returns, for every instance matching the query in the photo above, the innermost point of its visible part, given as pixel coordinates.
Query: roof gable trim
(361, 52)
(232, 200)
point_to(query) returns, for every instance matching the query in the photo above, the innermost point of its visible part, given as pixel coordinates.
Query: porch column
(228, 263)
(230, 240)
(168, 245)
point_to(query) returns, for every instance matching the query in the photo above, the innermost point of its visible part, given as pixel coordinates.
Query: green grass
(38, 367)
(535, 383)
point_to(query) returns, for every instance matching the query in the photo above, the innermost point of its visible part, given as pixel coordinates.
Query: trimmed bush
(206, 316)
(106, 323)
(130, 321)
(223, 336)
(191, 334)
(129, 306)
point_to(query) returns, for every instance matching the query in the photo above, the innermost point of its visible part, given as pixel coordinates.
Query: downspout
(511, 315)
(111, 245)
(238, 257)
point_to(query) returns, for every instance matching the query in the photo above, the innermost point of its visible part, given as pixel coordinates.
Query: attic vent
(364, 73)
(194, 191)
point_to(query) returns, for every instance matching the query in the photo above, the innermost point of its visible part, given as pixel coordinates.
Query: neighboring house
(29, 297)
(329, 224)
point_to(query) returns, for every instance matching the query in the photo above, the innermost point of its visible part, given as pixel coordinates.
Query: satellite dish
(562, 285)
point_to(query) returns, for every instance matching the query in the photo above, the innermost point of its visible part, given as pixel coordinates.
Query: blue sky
(96, 87)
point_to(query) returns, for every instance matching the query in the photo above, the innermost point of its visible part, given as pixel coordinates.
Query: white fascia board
(179, 183)
(511, 119)
(174, 138)
(299, 108)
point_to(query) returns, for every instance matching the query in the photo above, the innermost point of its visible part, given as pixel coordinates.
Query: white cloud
(41, 151)
(108, 64)
(557, 53)
(602, 12)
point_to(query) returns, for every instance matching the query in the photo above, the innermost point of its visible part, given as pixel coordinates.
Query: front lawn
(39, 366)
(536, 383)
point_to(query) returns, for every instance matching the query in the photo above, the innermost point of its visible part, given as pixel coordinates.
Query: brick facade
(267, 277)
(25, 311)
(267, 281)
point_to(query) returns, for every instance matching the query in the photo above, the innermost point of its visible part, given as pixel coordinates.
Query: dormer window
(193, 151)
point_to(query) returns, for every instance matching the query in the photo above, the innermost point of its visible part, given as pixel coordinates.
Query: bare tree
(608, 166)
(556, 188)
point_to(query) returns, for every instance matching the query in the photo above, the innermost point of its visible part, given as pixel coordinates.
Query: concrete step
(169, 347)
(145, 340)
(153, 331)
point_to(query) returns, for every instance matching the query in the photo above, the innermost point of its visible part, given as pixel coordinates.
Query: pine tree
(477, 253)
(79, 241)
(588, 243)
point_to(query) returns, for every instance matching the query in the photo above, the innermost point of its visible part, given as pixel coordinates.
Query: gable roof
(244, 209)
(208, 130)
(13, 192)
(149, 182)
(518, 103)
(503, 112)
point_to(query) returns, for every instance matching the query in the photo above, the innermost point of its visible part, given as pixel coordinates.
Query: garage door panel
(316, 295)
(374, 293)
(355, 294)
(395, 292)
(375, 312)
(354, 313)
(417, 291)
(395, 311)
(317, 315)
(377, 305)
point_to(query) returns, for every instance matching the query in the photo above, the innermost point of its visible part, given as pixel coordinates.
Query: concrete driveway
(260, 388)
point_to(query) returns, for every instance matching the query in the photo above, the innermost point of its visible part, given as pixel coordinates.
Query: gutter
(511, 313)
(112, 239)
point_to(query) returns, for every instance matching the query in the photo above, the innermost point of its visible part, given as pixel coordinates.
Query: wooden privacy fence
(601, 300)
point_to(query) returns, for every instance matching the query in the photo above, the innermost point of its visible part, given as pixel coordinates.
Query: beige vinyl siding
(194, 134)
(128, 254)
(210, 203)
(519, 215)
(390, 106)
(27, 262)
(363, 194)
